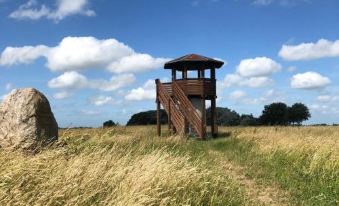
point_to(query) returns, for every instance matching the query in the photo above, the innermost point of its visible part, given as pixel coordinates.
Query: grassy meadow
(131, 166)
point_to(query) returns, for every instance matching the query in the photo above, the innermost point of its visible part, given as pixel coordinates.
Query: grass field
(131, 166)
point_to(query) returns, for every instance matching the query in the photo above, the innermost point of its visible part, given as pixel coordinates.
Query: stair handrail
(165, 99)
(188, 109)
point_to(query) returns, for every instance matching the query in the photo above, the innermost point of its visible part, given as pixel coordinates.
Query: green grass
(289, 170)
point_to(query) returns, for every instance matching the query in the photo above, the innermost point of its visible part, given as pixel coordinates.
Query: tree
(225, 117)
(109, 123)
(248, 120)
(298, 113)
(275, 114)
(148, 117)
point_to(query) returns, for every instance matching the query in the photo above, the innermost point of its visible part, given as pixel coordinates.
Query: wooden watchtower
(184, 99)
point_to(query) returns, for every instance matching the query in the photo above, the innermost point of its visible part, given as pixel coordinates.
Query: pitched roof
(193, 61)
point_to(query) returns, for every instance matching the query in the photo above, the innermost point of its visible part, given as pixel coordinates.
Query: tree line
(273, 114)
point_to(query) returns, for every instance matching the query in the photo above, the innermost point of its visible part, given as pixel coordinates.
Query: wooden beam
(158, 119)
(212, 73)
(174, 75)
(214, 126)
(203, 118)
(157, 82)
(184, 74)
(169, 117)
(202, 73)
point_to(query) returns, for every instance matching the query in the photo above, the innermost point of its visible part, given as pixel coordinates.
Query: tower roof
(193, 62)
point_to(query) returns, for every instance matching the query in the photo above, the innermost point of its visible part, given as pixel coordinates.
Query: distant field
(131, 166)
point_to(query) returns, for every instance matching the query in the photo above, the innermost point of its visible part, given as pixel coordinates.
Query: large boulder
(26, 120)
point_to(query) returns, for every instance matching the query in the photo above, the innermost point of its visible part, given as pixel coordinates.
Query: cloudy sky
(97, 59)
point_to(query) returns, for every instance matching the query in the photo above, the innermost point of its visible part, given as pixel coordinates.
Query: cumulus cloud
(62, 95)
(70, 81)
(79, 53)
(257, 67)
(237, 80)
(309, 80)
(22, 55)
(253, 73)
(76, 53)
(237, 95)
(146, 92)
(33, 10)
(136, 62)
(266, 98)
(308, 51)
(101, 100)
(115, 83)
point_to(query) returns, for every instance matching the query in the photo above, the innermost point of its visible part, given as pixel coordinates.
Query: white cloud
(116, 82)
(237, 80)
(307, 51)
(137, 63)
(68, 80)
(62, 95)
(146, 92)
(324, 98)
(22, 55)
(257, 67)
(76, 53)
(33, 11)
(101, 100)
(309, 80)
(266, 98)
(79, 53)
(73, 80)
(237, 95)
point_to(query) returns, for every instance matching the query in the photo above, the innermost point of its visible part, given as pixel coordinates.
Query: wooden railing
(188, 110)
(177, 118)
(200, 86)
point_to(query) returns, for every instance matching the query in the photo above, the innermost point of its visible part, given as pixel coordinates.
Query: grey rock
(26, 120)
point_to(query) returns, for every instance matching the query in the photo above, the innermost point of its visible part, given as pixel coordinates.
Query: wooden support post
(174, 75)
(203, 118)
(158, 119)
(212, 73)
(169, 117)
(214, 126)
(184, 74)
(158, 108)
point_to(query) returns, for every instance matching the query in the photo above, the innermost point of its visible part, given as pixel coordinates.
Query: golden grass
(119, 166)
(321, 142)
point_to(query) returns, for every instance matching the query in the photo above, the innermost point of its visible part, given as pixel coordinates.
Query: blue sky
(97, 59)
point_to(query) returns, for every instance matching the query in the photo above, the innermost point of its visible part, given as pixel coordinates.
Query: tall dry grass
(119, 166)
(320, 142)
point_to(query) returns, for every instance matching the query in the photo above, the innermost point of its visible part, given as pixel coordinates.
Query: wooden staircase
(180, 110)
